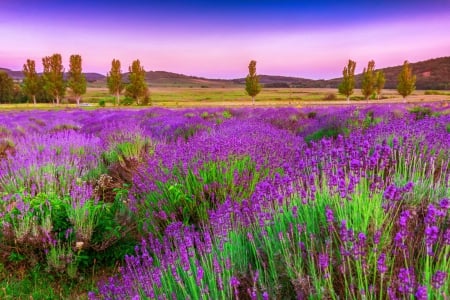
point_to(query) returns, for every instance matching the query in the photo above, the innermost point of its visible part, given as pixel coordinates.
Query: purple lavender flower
(323, 261)
(406, 281)
(381, 266)
(329, 215)
(444, 204)
(234, 282)
(421, 293)
(438, 279)
(431, 236)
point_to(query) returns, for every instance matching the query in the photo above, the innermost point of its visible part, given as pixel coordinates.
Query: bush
(421, 112)
(330, 96)
(102, 103)
(327, 132)
(127, 101)
(312, 115)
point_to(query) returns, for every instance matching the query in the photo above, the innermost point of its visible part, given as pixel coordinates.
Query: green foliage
(127, 101)
(448, 127)
(348, 81)
(379, 82)
(77, 80)
(114, 80)
(227, 114)
(6, 88)
(368, 80)
(328, 132)
(406, 80)
(137, 87)
(434, 92)
(190, 195)
(53, 76)
(102, 103)
(252, 86)
(421, 112)
(31, 80)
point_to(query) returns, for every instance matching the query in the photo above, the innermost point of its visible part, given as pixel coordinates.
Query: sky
(217, 39)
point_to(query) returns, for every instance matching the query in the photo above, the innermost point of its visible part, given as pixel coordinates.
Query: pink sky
(302, 51)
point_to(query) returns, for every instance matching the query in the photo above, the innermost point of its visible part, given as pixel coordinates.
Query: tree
(379, 82)
(406, 81)
(114, 80)
(54, 76)
(348, 81)
(31, 84)
(77, 80)
(252, 86)
(6, 88)
(137, 88)
(368, 80)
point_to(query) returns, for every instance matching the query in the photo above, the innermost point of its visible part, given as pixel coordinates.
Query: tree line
(372, 82)
(51, 86)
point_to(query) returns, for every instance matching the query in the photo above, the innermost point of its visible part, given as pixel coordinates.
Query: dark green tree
(54, 77)
(406, 81)
(6, 88)
(31, 80)
(348, 81)
(368, 80)
(379, 82)
(114, 80)
(252, 86)
(137, 88)
(77, 80)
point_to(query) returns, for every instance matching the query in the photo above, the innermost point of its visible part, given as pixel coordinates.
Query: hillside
(431, 74)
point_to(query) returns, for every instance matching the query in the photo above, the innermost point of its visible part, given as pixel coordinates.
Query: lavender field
(250, 203)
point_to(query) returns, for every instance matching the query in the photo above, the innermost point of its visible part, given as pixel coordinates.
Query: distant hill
(432, 74)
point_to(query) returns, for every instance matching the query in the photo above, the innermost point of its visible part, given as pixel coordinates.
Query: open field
(342, 202)
(236, 97)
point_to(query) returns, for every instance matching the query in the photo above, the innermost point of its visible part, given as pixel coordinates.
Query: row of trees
(136, 88)
(52, 85)
(373, 82)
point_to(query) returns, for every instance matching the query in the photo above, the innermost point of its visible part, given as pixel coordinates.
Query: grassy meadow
(235, 96)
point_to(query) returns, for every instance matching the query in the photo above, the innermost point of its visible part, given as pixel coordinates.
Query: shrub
(227, 114)
(330, 96)
(127, 101)
(421, 112)
(101, 103)
(312, 115)
(327, 132)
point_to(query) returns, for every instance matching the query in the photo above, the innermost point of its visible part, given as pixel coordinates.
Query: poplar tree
(77, 80)
(6, 88)
(252, 86)
(368, 80)
(348, 81)
(54, 76)
(379, 82)
(137, 87)
(114, 80)
(31, 80)
(406, 81)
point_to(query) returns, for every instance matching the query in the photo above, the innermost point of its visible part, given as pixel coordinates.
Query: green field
(236, 96)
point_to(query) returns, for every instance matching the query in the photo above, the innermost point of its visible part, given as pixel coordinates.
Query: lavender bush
(240, 203)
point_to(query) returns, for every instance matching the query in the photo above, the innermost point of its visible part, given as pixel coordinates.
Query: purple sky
(217, 39)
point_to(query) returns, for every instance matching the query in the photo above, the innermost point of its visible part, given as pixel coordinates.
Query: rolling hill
(431, 74)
